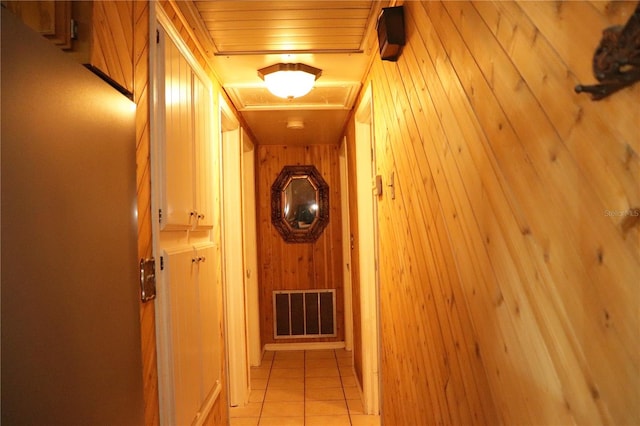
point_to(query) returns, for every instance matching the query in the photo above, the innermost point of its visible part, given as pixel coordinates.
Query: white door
(233, 237)
(346, 247)
(71, 344)
(368, 252)
(251, 252)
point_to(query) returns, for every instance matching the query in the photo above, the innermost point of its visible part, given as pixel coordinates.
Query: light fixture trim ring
(316, 72)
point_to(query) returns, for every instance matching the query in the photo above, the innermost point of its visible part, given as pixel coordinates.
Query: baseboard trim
(303, 346)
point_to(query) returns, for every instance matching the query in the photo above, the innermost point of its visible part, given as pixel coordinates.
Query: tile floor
(303, 388)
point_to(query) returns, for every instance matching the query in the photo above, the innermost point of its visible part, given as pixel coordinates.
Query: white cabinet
(185, 110)
(192, 299)
(188, 313)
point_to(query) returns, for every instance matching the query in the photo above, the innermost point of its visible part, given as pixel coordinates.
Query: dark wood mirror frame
(290, 233)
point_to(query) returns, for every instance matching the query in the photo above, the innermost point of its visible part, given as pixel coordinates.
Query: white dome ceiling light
(289, 81)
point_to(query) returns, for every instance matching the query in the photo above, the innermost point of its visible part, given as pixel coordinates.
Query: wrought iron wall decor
(616, 62)
(300, 204)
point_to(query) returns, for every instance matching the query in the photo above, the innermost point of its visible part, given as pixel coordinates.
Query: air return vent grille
(304, 314)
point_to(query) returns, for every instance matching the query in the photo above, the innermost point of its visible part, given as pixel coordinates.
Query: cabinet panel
(186, 108)
(203, 135)
(210, 321)
(193, 297)
(183, 322)
(178, 177)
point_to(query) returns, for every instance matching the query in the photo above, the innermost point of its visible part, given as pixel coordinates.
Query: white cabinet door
(186, 109)
(210, 321)
(178, 181)
(181, 283)
(203, 142)
(194, 320)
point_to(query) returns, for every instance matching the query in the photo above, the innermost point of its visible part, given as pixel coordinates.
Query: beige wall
(509, 281)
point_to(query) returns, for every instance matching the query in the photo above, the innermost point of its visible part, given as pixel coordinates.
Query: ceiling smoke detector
(295, 124)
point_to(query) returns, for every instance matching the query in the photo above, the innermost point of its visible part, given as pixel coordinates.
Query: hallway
(303, 388)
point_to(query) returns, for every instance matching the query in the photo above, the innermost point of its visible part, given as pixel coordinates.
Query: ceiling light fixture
(289, 80)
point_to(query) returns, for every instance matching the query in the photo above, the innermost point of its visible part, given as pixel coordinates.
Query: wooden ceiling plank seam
(217, 6)
(215, 25)
(190, 16)
(289, 32)
(290, 40)
(230, 53)
(274, 15)
(275, 49)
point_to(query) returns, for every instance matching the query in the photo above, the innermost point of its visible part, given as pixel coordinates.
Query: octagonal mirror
(299, 204)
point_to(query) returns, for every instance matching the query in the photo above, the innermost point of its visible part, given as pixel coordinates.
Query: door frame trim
(346, 245)
(369, 269)
(235, 312)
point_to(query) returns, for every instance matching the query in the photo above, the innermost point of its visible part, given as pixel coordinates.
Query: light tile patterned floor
(303, 388)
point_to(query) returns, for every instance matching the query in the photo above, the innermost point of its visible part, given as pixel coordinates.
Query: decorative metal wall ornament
(300, 204)
(616, 62)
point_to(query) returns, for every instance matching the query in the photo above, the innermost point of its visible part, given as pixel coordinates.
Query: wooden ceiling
(240, 37)
(260, 27)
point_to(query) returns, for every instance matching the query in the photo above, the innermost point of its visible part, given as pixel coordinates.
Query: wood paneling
(508, 290)
(50, 18)
(112, 40)
(289, 266)
(284, 26)
(141, 96)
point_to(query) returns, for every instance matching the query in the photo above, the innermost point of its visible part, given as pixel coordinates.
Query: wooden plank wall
(112, 40)
(509, 259)
(50, 18)
(120, 49)
(141, 96)
(287, 266)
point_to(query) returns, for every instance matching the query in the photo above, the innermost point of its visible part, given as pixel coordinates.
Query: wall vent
(304, 313)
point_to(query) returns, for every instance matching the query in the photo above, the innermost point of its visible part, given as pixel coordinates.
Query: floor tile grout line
(344, 394)
(266, 387)
(304, 388)
(305, 358)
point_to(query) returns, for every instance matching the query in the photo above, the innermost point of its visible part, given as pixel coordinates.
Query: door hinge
(161, 263)
(147, 279)
(157, 36)
(160, 216)
(73, 29)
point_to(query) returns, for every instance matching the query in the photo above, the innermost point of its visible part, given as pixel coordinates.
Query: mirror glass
(300, 204)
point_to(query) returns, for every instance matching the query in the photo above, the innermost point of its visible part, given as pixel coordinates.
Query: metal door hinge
(161, 263)
(157, 36)
(160, 216)
(147, 279)
(74, 29)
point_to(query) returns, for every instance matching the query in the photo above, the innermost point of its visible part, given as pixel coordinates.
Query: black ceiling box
(391, 36)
